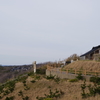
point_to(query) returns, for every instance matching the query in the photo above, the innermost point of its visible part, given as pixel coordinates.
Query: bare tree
(73, 57)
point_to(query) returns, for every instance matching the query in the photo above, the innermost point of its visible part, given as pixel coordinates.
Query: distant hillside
(88, 65)
(9, 72)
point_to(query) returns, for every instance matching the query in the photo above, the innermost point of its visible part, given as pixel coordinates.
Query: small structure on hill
(34, 66)
(93, 54)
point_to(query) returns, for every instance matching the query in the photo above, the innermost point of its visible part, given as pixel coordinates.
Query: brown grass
(39, 88)
(87, 65)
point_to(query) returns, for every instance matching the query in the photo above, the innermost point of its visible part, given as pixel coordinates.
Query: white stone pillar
(34, 66)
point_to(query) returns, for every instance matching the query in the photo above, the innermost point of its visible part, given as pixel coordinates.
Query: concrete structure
(63, 74)
(34, 66)
(97, 57)
(72, 61)
(93, 54)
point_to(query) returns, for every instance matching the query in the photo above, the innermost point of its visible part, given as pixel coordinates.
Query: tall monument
(34, 66)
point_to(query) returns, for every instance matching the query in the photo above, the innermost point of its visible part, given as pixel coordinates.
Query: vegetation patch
(50, 77)
(31, 73)
(33, 81)
(10, 98)
(22, 78)
(73, 80)
(57, 79)
(93, 89)
(51, 95)
(95, 79)
(79, 76)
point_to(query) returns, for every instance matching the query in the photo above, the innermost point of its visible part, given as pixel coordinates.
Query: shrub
(50, 77)
(1, 88)
(33, 81)
(31, 74)
(83, 87)
(26, 98)
(24, 81)
(95, 79)
(26, 88)
(10, 84)
(92, 88)
(24, 84)
(40, 71)
(20, 93)
(11, 89)
(73, 80)
(37, 77)
(79, 77)
(10, 98)
(49, 86)
(22, 78)
(6, 92)
(51, 95)
(57, 79)
(0, 97)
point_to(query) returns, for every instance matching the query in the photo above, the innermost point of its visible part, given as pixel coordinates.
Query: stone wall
(63, 74)
(97, 57)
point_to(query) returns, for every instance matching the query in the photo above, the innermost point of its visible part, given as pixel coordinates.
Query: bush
(33, 81)
(1, 88)
(51, 95)
(92, 88)
(20, 93)
(37, 77)
(79, 77)
(26, 88)
(95, 79)
(10, 98)
(0, 97)
(50, 77)
(26, 98)
(10, 84)
(57, 79)
(24, 81)
(73, 80)
(6, 92)
(22, 78)
(31, 74)
(40, 71)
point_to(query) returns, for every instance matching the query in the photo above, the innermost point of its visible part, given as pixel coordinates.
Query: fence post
(85, 72)
(60, 71)
(67, 71)
(75, 71)
(95, 72)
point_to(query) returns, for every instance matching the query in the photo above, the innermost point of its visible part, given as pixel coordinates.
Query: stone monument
(34, 66)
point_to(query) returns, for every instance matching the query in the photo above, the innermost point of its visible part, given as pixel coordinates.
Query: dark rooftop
(92, 50)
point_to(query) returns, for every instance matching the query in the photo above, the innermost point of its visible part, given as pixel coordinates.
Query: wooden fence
(83, 72)
(75, 71)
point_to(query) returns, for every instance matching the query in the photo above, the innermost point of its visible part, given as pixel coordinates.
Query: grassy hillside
(88, 65)
(32, 86)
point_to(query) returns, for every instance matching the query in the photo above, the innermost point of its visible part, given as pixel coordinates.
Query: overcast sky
(47, 30)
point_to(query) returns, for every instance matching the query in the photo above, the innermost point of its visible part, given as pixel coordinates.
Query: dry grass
(87, 65)
(72, 91)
